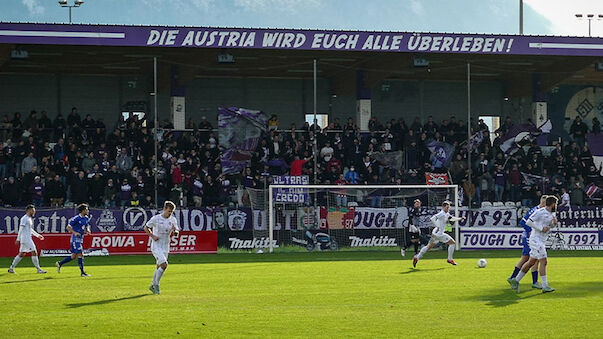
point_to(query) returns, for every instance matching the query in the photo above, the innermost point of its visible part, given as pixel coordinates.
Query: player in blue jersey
(525, 253)
(78, 227)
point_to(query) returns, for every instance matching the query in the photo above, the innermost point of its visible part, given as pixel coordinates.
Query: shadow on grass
(24, 281)
(506, 296)
(106, 301)
(220, 258)
(417, 270)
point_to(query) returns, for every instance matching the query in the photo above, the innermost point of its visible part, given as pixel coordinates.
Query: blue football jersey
(527, 229)
(78, 224)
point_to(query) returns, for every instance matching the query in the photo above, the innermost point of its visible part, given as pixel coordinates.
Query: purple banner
(581, 216)
(104, 220)
(209, 37)
(240, 131)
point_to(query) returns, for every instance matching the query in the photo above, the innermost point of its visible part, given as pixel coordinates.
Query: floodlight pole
(520, 17)
(315, 124)
(469, 150)
(155, 136)
(75, 5)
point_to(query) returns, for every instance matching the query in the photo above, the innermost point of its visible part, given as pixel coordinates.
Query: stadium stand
(72, 160)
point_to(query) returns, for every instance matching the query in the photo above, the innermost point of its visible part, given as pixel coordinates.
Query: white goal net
(342, 217)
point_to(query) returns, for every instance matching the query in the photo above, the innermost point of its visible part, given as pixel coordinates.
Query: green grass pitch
(344, 294)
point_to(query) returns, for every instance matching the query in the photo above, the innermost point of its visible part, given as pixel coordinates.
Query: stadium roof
(285, 53)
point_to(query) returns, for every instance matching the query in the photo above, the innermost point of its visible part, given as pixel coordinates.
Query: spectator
(28, 164)
(55, 191)
(124, 162)
(88, 162)
(11, 192)
(578, 130)
(36, 190)
(499, 183)
(79, 189)
(126, 191)
(109, 194)
(273, 123)
(596, 126)
(352, 176)
(565, 198)
(97, 188)
(198, 189)
(134, 200)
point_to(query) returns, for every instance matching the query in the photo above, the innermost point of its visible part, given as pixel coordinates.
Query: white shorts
(160, 255)
(444, 238)
(27, 246)
(537, 250)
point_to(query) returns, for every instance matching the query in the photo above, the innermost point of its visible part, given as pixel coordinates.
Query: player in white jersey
(25, 241)
(541, 222)
(440, 220)
(160, 229)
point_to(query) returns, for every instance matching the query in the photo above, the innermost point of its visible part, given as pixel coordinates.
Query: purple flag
(240, 132)
(517, 134)
(441, 153)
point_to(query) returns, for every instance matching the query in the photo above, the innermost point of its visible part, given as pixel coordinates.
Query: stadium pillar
(469, 127)
(363, 102)
(315, 124)
(155, 124)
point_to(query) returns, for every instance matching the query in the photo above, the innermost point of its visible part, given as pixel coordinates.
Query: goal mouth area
(329, 217)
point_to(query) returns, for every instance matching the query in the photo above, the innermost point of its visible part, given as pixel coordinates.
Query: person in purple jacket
(36, 189)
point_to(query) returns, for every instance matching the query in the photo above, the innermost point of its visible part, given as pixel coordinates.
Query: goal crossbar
(273, 187)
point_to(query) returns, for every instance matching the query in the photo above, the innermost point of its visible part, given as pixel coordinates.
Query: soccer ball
(482, 263)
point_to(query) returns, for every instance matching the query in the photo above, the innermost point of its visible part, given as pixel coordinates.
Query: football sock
(36, 261)
(154, 281)
(80, 263)
(159, 275)
(520, 275)
(515, 271)
(450, 251)
(15, 261)
(545, 282)
(65, 260)
(534, 277)
(422, 252)
(416, 245)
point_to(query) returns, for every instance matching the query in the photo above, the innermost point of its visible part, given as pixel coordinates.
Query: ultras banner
(188, 242)
(234, 38)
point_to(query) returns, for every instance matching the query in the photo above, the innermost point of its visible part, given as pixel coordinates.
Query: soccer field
(341, 294)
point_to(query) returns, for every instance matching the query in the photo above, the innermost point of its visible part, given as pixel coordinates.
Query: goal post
(329, 217)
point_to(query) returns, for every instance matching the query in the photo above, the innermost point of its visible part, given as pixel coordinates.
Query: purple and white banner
(130, 219)
(485, 238)
(581, 216)
(211, 37)
(240, 131)
(294, 195)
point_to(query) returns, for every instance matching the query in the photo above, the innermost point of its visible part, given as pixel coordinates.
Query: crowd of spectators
(72, 160)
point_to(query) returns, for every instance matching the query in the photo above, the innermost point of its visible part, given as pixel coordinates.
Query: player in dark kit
(78, 226)
(415, 238)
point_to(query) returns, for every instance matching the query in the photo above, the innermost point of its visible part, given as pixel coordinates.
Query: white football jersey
(439, 220)
(26, 229)
(538, 220)
(162, 227)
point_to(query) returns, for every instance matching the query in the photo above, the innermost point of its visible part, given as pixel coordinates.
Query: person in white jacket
(25, 241)
(541, 223)
(440, 220)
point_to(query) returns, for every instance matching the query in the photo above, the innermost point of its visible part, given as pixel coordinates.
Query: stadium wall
(104, 96)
